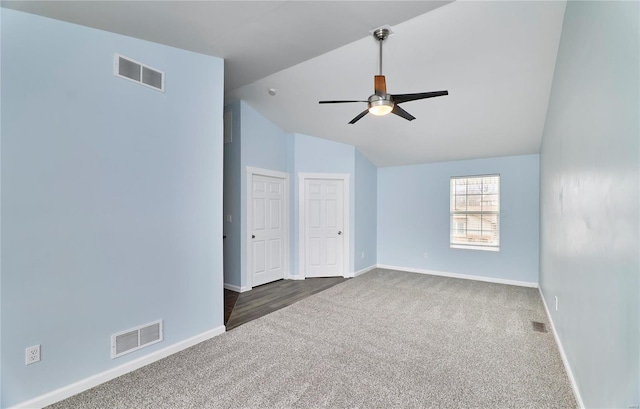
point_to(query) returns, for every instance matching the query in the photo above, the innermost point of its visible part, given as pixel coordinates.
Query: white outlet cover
(32, 354)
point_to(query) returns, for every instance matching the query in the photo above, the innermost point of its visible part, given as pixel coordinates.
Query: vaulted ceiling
(496, 59)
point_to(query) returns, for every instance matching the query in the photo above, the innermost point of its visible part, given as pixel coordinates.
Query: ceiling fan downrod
(379, 97)
(381, 34)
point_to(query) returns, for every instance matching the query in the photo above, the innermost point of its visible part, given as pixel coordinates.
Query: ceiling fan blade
(380, 85)
(359, 117)
(401, 112)
(400, 98)
(337, 102)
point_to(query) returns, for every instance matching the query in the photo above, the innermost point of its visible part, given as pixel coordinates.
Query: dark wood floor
(241, 308)
(230, 298)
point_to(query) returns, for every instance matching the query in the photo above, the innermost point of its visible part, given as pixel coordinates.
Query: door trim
(251, 171)
(346, 245)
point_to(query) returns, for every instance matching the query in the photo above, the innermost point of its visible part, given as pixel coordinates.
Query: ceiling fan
(381, 103)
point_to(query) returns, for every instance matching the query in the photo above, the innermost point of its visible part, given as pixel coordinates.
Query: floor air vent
(136, 338)
(539, 326)
(131, 70)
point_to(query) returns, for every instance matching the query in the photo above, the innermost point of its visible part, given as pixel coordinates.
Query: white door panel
(324, 241)
(268, 233)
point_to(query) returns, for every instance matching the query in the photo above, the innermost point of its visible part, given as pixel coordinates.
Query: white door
(267, 236)
(324, 229)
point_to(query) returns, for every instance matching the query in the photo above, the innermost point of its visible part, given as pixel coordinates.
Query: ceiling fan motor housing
(380, 85)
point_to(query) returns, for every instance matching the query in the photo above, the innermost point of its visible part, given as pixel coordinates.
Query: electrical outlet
(362, 255)
(556, 303)
(32, 355)
(425, 255)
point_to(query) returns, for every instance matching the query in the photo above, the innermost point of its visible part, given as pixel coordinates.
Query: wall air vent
(131, 70)
(133, 339)
(228, 132)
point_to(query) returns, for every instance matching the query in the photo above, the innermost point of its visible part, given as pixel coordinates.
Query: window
(475, 212)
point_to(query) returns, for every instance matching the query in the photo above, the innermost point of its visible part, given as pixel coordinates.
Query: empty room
(307, 204)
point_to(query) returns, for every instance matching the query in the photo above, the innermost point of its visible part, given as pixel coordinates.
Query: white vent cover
(131, 70)
(136, 338)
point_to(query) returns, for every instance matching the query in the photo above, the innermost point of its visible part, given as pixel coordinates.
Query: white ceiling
(496, 59)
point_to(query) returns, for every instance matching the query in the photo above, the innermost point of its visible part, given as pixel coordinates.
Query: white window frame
(453, 212)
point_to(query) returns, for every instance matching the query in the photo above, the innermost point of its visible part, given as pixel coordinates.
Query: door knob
(339, 232)
(253, 236)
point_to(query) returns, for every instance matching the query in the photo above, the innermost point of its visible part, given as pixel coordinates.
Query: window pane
(459, 240)
(460, 203)
(459, 235)
(489, 237)
(474, 222)
(460, 218)
(489, 222)
(491, 184)
(458, 226)
(474, 203)
(474, 186)
(460, 186)
(474, 236)
(490, 203)
(459, 223)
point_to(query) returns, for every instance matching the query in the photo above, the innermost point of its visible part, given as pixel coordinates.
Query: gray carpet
(382, 340)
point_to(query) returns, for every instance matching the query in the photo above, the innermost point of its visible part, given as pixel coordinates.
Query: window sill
(469, 247)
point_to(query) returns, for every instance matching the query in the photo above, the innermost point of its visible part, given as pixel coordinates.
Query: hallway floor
(240, 308)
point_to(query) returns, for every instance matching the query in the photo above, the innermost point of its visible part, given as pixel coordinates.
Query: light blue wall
(366, 205)
(373, 213)
(232, 198)
(316, 155)
(264, 146)
(1, 11)
(590, 199)
(111, 199)
(413, 218)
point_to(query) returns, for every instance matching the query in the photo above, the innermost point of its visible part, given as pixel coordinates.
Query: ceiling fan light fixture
(380, 107)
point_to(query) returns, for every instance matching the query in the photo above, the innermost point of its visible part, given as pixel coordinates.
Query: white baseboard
(295, 277)
(236, 288)
(565, 361)
(365, 270)
(462, 276)
(95, 380)
(348, 275)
